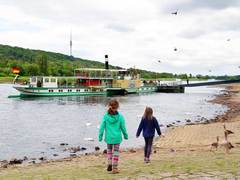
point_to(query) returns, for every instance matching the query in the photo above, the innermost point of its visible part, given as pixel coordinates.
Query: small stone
(75, 149)
(42, 159)
(172, 150)
(97, 148)
(73, 155)
(55, 155)
(63, 144)
(5, 166)
(104, 151)
(132, 151)
(15, 161)
(83, 148)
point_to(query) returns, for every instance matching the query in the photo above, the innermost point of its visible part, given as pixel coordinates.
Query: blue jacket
(148, 127)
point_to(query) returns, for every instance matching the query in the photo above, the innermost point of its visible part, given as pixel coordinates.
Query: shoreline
(76, 151)
(219, 99)
(191, 140)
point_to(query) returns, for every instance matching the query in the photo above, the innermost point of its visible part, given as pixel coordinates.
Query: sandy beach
(183, 153)
(201, 136)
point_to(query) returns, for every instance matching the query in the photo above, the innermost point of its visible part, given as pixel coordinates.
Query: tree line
(38, 62)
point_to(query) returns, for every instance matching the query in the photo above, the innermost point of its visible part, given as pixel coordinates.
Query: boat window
(50, 90)
(33, 79)
(53, 80)
(46, 80)
(69, 90)
(60, 90)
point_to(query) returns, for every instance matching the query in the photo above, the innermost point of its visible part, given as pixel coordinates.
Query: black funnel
(106, 62)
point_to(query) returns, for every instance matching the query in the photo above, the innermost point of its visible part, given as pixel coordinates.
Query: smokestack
(106, 62)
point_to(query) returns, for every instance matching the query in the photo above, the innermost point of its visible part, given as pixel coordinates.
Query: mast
(71, 43)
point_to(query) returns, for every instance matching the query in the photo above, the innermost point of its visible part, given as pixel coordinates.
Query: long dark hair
(148, 113)
(112, 104)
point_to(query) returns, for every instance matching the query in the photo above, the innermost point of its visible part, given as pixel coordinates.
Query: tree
(43, 64)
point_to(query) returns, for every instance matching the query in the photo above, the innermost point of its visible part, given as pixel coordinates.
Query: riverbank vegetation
(38, 62)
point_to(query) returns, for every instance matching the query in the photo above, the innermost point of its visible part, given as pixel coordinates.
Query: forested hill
(36, 62)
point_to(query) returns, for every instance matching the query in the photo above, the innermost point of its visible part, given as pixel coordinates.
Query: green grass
(9, 79)
(131, 167)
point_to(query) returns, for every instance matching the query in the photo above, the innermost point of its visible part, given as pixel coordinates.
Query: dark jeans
(148, 146)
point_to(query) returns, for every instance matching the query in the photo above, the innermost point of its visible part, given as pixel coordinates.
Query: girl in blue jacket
(148, 125)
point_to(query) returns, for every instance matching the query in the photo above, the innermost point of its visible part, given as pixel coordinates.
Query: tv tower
(71, 43)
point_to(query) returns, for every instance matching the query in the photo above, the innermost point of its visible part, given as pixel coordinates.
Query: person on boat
(113, 125)
(39, 84)
(148, 125)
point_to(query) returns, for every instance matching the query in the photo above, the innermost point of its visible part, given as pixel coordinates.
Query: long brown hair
(112, 104)
(148, 113)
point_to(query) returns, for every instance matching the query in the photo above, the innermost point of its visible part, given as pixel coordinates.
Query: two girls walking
(113, 124)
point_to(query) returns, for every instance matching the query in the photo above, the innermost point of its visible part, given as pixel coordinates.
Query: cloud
(136, 32)
(192, 5)
(120, 28)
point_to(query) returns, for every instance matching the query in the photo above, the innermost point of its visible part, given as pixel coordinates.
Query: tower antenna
(71, 43)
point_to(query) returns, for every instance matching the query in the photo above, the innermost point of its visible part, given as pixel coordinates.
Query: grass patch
(9, 79)
(131, 166)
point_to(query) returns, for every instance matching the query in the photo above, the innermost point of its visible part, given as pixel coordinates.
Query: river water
(35, 127)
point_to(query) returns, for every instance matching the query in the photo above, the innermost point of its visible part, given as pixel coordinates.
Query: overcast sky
(206, 33)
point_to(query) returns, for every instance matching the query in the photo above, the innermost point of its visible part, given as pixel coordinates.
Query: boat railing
(70, 86)
(149, 85)
(170, 83)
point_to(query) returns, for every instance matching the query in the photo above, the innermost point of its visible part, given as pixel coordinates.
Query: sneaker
(147, 160)
(109, 168)
(115, 171)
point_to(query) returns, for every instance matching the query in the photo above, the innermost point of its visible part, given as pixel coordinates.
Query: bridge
(210, 83)
(177, 87)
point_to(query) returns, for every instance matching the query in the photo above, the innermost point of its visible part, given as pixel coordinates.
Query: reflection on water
(35, 127)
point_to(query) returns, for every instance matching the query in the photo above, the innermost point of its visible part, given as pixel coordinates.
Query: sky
(203, 38)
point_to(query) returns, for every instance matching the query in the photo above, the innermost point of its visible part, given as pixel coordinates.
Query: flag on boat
(15, 70)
